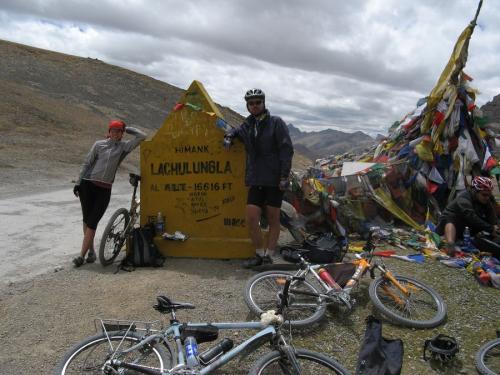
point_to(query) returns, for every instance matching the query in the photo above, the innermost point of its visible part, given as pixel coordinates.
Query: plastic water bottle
(467, 244)
(160, 224)
(191, 351)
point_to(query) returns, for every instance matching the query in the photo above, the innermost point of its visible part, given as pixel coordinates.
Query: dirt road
(43, 231)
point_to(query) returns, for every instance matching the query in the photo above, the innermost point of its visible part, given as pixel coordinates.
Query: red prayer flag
(489, 161)
(432, 187)
(178, 106)
(466, 77)
(438, 118)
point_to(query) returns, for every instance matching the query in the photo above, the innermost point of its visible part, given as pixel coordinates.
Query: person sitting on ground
(269, 153)
(474, 209)
(94, 183)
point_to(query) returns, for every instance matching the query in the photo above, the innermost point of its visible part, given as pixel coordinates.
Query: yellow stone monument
(196, 185)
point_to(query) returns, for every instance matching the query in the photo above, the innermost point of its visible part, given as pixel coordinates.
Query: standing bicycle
(174, 350)
(404, 300)
(119, 227)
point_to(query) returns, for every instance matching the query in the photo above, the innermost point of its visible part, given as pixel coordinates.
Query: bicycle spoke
(492, 358)
(419, 305)
(274, 284)
(304, 306)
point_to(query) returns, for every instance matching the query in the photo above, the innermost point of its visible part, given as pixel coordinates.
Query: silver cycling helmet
(255, 94)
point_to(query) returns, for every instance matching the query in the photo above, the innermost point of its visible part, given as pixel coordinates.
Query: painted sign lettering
(196, 167)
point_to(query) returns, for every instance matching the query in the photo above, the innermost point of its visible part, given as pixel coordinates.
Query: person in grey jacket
(94, 183)
(269, 153)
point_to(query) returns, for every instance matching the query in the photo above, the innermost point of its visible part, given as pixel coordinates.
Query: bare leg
(253, 218)
(273, 217)
(450, 233)
(88, 241)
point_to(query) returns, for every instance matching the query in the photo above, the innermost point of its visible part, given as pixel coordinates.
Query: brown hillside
(54, 106)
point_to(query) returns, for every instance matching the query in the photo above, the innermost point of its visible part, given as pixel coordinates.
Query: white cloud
(348, 65)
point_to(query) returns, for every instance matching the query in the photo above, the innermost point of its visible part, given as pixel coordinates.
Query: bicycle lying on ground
(487, 358)
(404, 300)
(151, 352)
(119, 227)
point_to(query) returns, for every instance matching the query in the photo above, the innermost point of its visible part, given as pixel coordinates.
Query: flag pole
(477, 12)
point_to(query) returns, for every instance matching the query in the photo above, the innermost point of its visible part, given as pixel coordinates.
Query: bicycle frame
(269, 332)
(133, 215)
(336, 292)
(260, 338)
(134, 205)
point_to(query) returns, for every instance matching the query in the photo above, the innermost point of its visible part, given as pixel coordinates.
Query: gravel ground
(44, 317)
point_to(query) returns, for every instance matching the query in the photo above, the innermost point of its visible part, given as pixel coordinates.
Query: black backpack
(143, 251)
(319, 248)
(378, 355)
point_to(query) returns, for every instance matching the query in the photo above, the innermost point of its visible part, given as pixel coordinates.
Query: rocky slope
(492, 109)
(54, 106)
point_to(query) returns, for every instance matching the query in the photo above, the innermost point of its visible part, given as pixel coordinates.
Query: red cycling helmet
(480, 183)
(116, 124)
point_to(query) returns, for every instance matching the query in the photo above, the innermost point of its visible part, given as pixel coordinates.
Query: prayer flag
(488, 161)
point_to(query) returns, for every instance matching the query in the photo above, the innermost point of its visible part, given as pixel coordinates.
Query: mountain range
(54, 106)
(328, 142)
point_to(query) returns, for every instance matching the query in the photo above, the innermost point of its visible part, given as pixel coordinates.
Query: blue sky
(356, 65)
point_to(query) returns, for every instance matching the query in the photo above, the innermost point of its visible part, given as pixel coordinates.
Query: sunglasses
(255, 102)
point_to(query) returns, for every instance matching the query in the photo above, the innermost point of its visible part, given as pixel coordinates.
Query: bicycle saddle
(165, 305)
(134, 179)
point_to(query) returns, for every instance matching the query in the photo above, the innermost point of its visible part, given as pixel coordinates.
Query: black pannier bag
(201, 334)
(378, 355)
(322, 248)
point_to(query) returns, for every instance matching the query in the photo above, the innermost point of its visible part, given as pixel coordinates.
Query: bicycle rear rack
(109, 325)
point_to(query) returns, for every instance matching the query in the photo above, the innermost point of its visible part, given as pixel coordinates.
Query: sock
(260, 252)
(269, 253)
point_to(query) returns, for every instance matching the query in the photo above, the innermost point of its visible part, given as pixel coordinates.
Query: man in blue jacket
(269, 153)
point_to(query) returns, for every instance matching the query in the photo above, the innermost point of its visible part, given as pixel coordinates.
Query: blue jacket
(269, 149)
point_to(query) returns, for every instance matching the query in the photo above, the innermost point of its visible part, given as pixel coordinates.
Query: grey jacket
(106, 155)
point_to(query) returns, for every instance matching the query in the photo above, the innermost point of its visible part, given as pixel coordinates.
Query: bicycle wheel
(88, 356)
(487, 358)
(423, 308)
(113, 237)
(311, 363)
(262, 294)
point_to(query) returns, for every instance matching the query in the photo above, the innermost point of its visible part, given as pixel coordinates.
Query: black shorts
(265, 196)
(94, 200)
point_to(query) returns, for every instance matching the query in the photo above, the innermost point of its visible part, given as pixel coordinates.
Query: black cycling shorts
(94, 201)
(265, 196)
